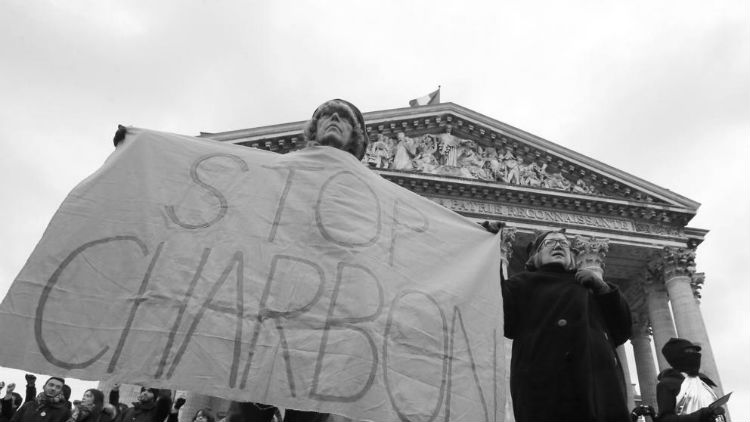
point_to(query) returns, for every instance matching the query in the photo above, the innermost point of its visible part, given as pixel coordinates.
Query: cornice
(609, 181)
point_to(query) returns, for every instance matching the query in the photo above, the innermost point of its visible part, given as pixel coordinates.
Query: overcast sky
(658, 89)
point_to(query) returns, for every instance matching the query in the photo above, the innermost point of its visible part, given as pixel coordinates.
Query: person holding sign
(565, 324)
(339, 124)
(684, 394)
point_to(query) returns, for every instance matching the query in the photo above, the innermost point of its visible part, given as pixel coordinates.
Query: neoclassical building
(487, 170)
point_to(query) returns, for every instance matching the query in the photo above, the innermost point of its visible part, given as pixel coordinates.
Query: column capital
(696, 282)
(653, 275)
(590, 251)
(507, 236)
(641, 324)
(677, 262)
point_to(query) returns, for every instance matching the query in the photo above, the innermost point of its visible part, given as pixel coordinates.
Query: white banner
(303, 280)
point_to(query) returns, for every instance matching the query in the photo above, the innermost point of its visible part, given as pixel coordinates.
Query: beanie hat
(360, 121)
(675, 346)
(674, 352)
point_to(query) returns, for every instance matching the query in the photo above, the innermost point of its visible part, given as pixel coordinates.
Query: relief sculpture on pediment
(448, 155)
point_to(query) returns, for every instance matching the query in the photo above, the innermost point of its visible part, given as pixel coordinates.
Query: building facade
(487, 170)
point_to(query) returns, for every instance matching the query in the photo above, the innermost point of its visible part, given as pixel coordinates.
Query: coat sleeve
(30, 392)
(510, 289)
(163, 405)
(7, 408)
(19, 413)
(114, 398)
(616, 313)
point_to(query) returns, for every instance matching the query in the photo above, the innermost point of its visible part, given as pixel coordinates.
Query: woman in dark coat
(565, 325)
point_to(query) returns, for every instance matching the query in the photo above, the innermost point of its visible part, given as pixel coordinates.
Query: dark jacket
(564, 365)
(151, 412)
(6, 409)
(670, 382)
(49, 412)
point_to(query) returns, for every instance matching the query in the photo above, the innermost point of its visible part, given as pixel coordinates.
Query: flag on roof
(429, 99)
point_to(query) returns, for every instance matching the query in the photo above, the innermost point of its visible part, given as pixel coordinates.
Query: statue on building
(532, 174)
(378, 154)
(448, 146)
(406, 149)
(425, 161)
(512, 172)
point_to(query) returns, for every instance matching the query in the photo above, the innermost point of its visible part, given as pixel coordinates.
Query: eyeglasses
(551, 243)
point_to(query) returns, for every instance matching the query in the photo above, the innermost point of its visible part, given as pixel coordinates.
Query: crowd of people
(53, 404)
(565, 323)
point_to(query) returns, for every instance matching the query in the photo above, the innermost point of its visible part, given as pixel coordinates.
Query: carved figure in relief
(512, 172)
(556, 181)
(379, 152)
(426, 161)
(406, 149)
(448, 147)
(492, 165)
(532, 174)
(471, 158)
(582, 187)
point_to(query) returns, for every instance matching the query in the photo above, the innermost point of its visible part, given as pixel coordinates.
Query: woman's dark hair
(98, 403)
(206, 413)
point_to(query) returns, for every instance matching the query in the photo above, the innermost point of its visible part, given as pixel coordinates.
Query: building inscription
(551, 216)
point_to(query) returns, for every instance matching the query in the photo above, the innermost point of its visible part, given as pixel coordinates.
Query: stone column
(659, 314)
(591, 253)
(644, 360)
(626, 372)
(683, 286)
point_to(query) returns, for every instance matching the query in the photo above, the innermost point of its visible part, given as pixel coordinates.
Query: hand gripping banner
(303, 280)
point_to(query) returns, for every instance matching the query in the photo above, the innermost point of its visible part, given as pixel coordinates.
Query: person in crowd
(90, 408)
(114, 401)
(683, 394)
(49, 406)
(204, 415)
(10, 402)
(152, 405)
(565, 324)
(339, 124)
(30, 387)
(174, 412)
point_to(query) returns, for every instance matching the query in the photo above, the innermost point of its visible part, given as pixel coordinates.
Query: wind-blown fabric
(302, 280)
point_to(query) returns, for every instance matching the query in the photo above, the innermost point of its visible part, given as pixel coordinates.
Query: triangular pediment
(450, 147)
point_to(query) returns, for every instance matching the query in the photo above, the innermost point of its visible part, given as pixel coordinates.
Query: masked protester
(683, 393)
(49, 406)
(565, 324)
